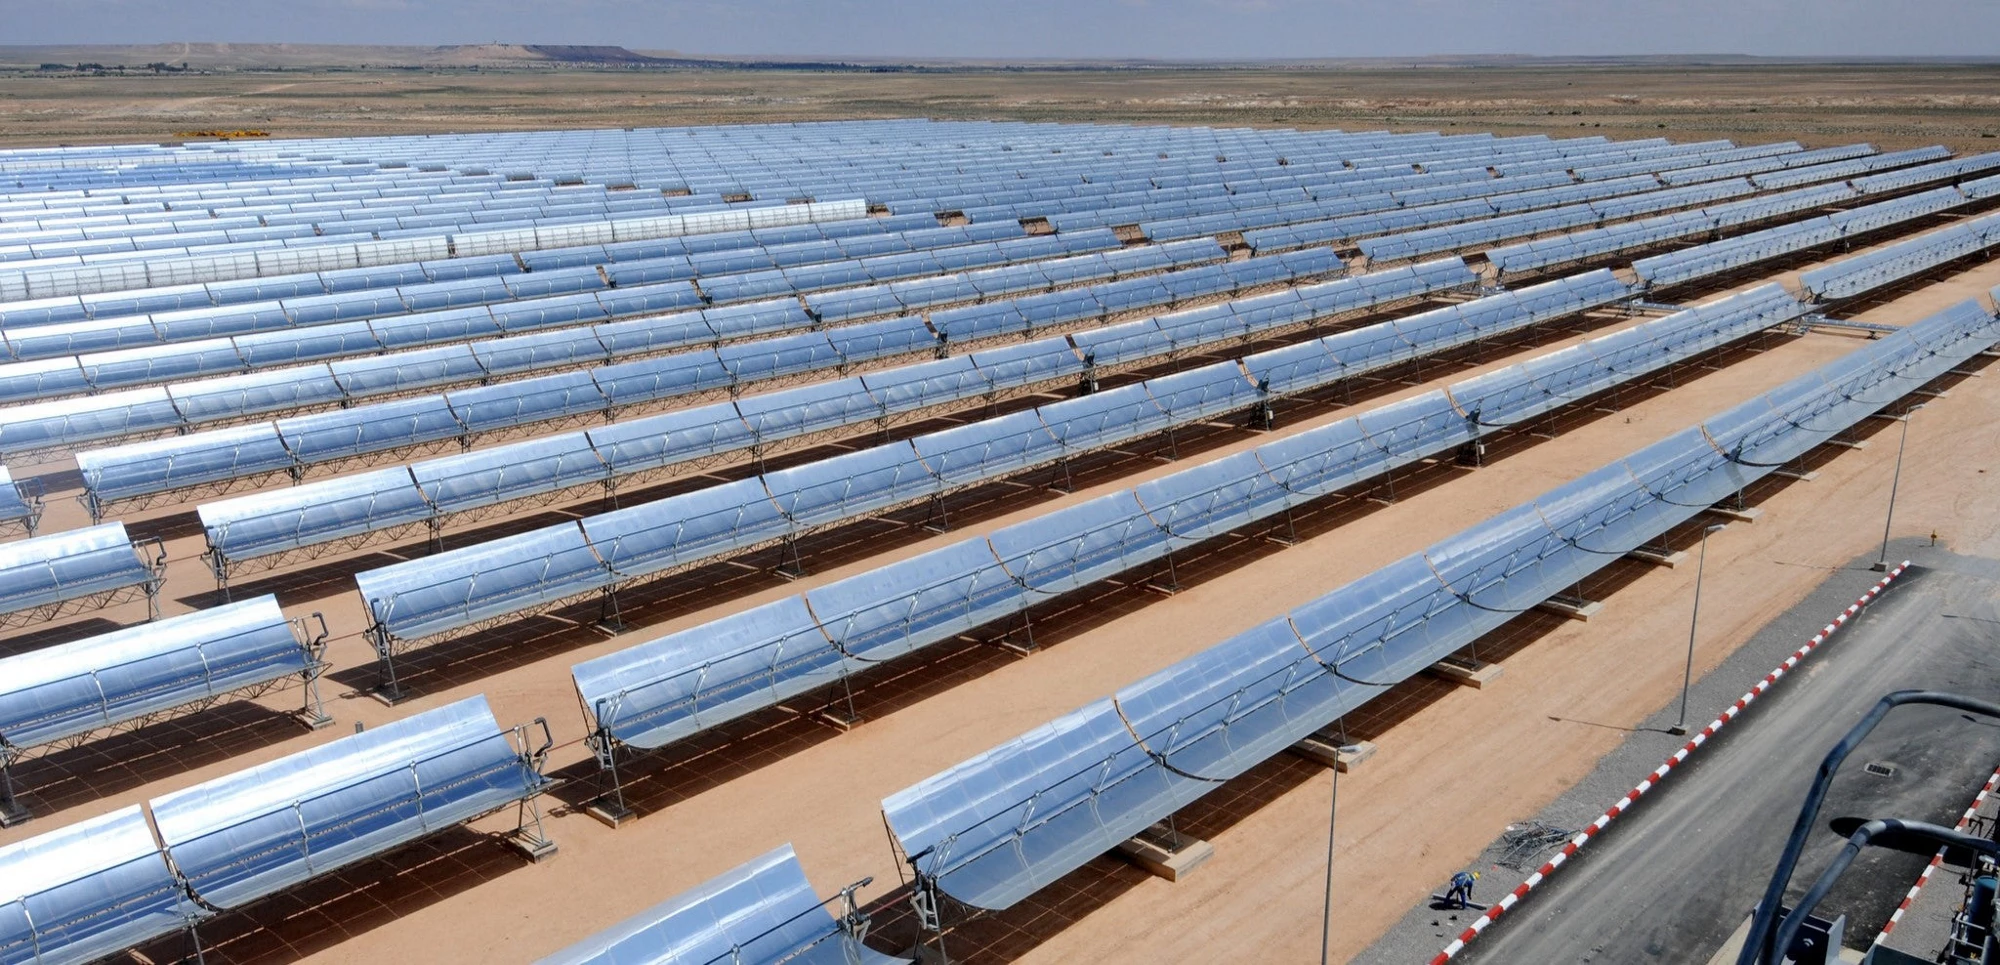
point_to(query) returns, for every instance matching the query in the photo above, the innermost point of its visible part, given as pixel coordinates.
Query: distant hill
(223, 57)
(324, 56)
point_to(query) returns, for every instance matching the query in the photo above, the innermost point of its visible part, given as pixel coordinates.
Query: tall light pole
(1687, 673)
(1881, 564)
(1326, 908)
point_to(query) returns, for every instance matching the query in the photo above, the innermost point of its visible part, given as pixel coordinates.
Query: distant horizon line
(668, 54)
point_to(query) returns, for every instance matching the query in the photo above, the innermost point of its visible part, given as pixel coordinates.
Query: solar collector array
(995, 829)
(40, 427)
(667, 689)
(83, 892)
(757, 167)
(297, 443)
(392, 500)
(448, 592)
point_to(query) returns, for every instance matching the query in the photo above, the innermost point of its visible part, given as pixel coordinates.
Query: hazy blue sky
(1051, 28)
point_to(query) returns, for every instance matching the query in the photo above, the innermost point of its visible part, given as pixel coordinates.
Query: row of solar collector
(762, 912)
(1073, 150)
(132, 366)
(1476, 199)
(149, 468)
(647, 376)
(30, 255)
(118, 178)
(297, 445)
(905, 179)
(1572, 245)
(1436, 184)
(1596, 212)
(361, 183)
(1404, 187)
(748, 175)
(672, 687)
(194, 323)
(697, 249)
(1077, 148)
(373, 224)
(59, 696)
(1875, 269)
(995, 829)
(657, 316)
(147, 871)
(46, 576)
(20, 503)
(60, 310)
(447, 485)
(1425, 241)
(1729, 254)
(31, 336)
(259, 260)
(1335, 178)
(1538, 253)
(378, 322)
(448, 592)
(705, 255)
(1397, 234)
(774, 165)
(475, 369)
(333, 222)
(236, 196)
(430, 492)
(1354, 159)
(540, 200)
(367, 293)
(333, 201)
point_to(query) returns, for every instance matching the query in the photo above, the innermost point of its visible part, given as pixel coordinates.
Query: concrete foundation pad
(1580, 610)
(1969, 373)
(1747, 515)
(1657, 558)
(1325, 748)
(1848, 443)
(1795, 474)
(1466, 673)
(610, 813)
(537, 851)
(1165, 852)
(839, 718)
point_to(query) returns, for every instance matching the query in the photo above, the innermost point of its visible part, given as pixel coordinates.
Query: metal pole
(1326, 907)
(1881, 565)
(1687, 672)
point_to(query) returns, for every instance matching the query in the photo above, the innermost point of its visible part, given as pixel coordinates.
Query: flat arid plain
(1456, 765)
(1890, 105)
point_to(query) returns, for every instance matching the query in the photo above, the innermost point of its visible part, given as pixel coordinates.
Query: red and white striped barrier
(1964, 821)
(1660, 773)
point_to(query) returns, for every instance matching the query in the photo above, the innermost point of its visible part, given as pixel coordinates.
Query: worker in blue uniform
(1460, 892)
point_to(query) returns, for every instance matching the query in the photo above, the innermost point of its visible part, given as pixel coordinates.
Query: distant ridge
(199, 56)
(222, 56)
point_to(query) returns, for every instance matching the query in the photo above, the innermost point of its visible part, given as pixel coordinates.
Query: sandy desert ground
(1892, 106)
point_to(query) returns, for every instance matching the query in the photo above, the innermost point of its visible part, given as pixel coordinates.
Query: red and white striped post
(1964, 821)
(1660, 773)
